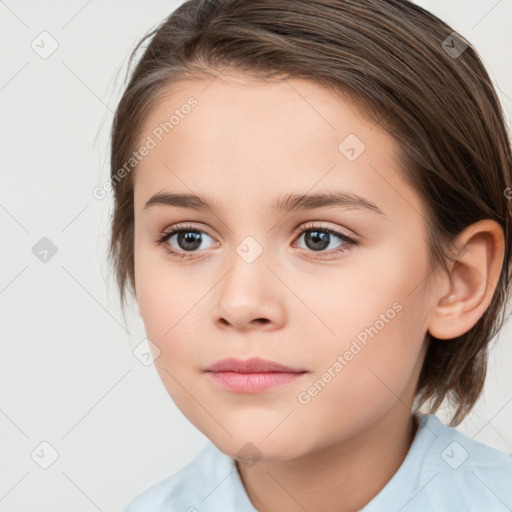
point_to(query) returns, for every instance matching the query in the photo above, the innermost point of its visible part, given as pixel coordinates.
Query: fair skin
(243, 146)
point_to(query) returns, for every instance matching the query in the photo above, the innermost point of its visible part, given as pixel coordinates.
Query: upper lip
(252, 365)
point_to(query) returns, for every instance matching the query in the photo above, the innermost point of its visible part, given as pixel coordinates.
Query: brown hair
(403, 67)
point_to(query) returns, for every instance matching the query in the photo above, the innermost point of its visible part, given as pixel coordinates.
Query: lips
(253, 375)
(252, 365)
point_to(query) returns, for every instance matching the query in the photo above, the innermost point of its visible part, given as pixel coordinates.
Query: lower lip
(252, 382)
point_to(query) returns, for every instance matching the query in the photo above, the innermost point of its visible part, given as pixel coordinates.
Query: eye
(187, 237)
(319, 238)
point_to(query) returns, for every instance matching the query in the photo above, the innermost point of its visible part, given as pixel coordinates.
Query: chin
(253, 448)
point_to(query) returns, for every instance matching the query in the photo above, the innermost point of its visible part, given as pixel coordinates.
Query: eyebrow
(311, 201)
(286, 202)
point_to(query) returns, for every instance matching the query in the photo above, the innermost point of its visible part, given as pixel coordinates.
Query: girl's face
(253, 276)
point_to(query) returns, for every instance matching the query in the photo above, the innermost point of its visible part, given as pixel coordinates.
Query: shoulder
(210, 483)
(459, 451)
(463, 472)
(446, 470)
(180, 486)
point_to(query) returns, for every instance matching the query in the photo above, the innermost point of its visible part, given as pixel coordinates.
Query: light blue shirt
(444, 471)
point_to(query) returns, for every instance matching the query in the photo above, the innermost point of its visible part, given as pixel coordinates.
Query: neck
(342, 477)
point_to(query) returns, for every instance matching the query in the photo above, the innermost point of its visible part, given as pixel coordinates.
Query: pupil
(320, 240)
(189, 237)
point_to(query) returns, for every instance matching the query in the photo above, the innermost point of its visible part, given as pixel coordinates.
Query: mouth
(253, 375)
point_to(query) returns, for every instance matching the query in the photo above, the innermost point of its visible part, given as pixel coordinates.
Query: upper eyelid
(303, 227)
(348, 241)
(310, 225)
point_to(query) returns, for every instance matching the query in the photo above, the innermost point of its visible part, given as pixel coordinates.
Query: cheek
(159, 289)
(379, 324)
(161, 296)
(166, 307)
(167, 310)
(367, 369)
(172, 305)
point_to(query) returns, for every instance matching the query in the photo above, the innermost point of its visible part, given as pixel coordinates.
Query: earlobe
(472, 280)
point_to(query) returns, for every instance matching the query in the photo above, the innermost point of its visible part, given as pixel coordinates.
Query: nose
(249, 297)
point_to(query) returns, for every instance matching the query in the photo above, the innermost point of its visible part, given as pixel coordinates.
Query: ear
(466, 292)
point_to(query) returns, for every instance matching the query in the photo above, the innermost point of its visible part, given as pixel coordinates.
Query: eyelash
(349, 242)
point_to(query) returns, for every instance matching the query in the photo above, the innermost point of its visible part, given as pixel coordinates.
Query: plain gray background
(68, 376)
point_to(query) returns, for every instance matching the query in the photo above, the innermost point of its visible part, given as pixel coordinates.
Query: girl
(313, 212)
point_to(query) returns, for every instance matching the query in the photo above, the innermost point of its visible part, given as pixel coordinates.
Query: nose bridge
(250, 249)
(247, 292)
(248, 265)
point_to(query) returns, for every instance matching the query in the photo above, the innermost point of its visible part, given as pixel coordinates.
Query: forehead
(217, 137)
(294, 108)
